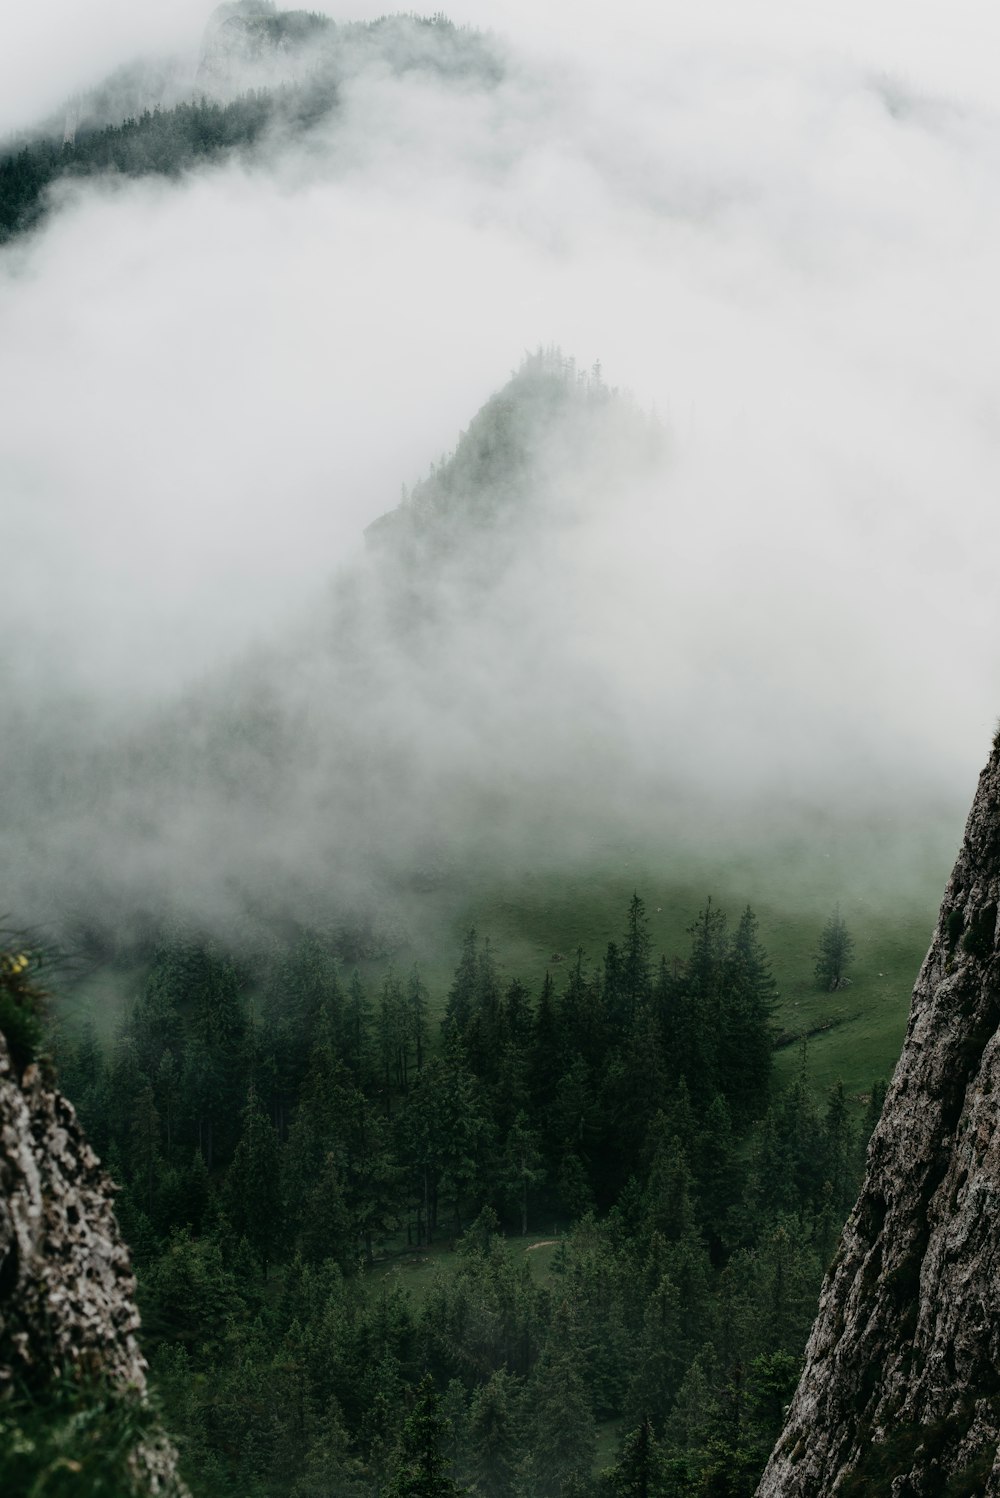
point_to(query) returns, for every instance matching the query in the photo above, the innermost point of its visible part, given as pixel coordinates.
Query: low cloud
(783, 242)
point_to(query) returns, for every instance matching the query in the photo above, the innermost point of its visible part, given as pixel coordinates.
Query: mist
(757, 585)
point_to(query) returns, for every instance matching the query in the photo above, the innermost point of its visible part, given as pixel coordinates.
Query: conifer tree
(659, 1355)
(512, 1094)
(416, 998)
(422, 1466)
(356, 1031)
(394, 1038)
(462, 995)
(545, 1065)
(636, 959)
(562, 1424)
(745, 1038)
(521, 1169)
(639, 1470)
(215, 1060)
(694, 1019)
(493, 1437)
(253, 1184)
(144, 1147)
(421, 1131)
(834, 954)
(465, 1126)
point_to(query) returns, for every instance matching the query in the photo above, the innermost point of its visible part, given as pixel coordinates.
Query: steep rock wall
(67, 1293)
(900, 1393)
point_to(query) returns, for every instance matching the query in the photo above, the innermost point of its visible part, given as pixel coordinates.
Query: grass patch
(415, 1270)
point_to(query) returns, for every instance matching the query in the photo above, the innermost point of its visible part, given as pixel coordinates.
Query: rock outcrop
(67, 1293)
(900, 1393)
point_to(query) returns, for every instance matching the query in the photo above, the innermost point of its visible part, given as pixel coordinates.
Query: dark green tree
(493, 1436)
(422, 1468)
(522, 1168)
(639, 1470)
(562, 1435)
(636, 959)
(462, 995)
(834, 954)
(253, 1184)
(746, 1043)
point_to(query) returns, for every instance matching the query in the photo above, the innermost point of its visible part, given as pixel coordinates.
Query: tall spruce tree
(253, 1184)
(422, 1468)
(746, 1043)
(834, 953)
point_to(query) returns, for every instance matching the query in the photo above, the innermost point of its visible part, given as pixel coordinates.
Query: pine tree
(837, 1141)
(834, 955)
(521, 1169)
(144, 1147)
(315, 1159)
(694, 1024)
(659, 1356)
(466, 1128)
(639, 1470)
(253, 1184)
(394, 1038)
(462, 994)
(421, 1131)
(512, 1091)
(215, 1058)
(746, 1044)
(493, 1437)
(422, 1466)
(356, 1033)
(545, 1066)
(416, 998)
(636, 959)
(562, 1427)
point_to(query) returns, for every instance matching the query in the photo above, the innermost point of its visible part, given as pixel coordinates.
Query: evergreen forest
(490, 1241)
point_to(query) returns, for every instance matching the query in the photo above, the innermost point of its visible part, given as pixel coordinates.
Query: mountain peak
(549, 417)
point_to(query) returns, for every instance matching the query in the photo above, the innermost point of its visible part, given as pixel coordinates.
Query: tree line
(162, 142)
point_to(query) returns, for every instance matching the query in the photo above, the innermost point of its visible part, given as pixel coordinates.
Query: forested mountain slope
(263, 75)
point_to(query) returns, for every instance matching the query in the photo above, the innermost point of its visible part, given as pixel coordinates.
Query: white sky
(54, 46)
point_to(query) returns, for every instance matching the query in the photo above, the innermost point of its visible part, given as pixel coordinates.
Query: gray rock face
(67, 1293)
(901, 1388)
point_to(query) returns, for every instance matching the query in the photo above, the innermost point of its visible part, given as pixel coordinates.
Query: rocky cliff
(68, 1319)
(901, 1388)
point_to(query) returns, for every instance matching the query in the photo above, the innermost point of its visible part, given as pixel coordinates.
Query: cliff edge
(900, 1393)
(68, 1319)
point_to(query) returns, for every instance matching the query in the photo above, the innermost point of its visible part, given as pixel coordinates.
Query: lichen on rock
(67, 1293)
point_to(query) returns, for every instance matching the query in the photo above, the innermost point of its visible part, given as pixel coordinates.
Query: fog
(778, 231)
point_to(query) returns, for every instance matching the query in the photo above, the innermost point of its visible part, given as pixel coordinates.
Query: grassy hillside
(888, 887)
